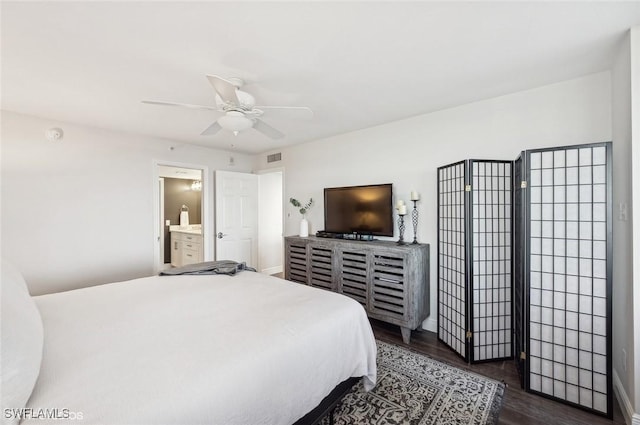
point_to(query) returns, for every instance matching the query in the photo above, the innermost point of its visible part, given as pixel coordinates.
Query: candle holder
(401, 229)
(414, 219)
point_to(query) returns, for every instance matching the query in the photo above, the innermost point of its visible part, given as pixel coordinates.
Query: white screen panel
(491, 228)
(568, 193)
(451, 257)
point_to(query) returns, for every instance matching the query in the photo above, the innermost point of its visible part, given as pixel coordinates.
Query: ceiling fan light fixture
(235, 121)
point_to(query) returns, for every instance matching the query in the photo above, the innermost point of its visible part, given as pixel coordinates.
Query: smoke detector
(54, 134)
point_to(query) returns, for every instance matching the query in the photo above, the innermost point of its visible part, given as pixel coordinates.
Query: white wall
(635, 212)
(623, 326)
(79, 212)
(407, 153)
(270, 249)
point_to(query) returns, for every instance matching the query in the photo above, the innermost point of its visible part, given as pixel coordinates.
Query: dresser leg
(406, 334)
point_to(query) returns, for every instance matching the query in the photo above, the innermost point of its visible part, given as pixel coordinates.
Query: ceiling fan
(239, 109)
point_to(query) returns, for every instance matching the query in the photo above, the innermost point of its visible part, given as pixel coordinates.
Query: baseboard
(430, 325)
(272, 270)
(630, 416)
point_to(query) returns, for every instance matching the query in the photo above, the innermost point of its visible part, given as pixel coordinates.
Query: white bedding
(244, 349)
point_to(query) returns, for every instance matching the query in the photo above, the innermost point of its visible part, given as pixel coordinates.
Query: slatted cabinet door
(353, 276)
(388, 292)
(296, 261)
(321, 267)
(394, 295)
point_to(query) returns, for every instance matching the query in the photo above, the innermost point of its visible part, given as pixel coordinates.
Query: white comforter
(218, 350)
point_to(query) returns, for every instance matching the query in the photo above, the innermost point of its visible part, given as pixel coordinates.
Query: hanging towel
(184, 218)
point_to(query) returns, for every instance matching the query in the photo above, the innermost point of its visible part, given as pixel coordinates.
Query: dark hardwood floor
(519, 407)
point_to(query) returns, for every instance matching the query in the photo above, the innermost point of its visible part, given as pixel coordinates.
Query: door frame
(260, 173)
(206, 213)
(161, 224)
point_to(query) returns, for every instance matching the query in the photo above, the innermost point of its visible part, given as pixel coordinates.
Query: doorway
(181, 207)
(249, 219)
(270, 256)
(271, 221)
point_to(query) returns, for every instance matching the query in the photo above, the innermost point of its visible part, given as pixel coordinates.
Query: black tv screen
(364, 210)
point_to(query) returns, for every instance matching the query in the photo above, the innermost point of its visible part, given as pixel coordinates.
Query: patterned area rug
(417, 390)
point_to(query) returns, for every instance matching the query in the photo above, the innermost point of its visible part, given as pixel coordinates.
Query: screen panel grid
(491, 260)
(568, 275)
(452, 257)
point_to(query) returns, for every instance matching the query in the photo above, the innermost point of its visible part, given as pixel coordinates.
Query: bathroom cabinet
(186, 248)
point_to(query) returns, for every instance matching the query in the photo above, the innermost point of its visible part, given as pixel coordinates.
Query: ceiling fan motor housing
(247, 102)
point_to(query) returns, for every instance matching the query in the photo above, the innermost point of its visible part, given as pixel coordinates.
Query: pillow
(22, 341)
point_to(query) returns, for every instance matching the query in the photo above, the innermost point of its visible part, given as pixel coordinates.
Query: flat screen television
(361, 210)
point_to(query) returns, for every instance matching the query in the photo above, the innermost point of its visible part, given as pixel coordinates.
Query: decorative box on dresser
(391, 281)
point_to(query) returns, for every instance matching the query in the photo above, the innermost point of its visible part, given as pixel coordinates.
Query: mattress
(244, 349)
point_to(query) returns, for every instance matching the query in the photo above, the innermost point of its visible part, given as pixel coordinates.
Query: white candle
(415, 196)
(399, 203)
(402, 210)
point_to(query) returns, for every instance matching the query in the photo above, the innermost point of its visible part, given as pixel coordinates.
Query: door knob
(221, 235)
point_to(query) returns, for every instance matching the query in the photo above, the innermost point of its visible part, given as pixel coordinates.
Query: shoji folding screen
(474, 259)
(563, 276)
(562, 258)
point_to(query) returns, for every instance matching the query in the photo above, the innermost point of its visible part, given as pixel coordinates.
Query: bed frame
(328, 404)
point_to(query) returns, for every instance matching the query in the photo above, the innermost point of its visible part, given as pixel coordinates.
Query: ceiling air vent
(274, 157)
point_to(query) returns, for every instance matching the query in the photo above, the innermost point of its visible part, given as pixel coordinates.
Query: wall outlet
(167, 222)
(622, 211)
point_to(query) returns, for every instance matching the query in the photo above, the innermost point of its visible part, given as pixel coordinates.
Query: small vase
(304, 227)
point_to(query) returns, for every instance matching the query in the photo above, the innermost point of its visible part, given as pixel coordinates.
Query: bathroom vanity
(186, 246)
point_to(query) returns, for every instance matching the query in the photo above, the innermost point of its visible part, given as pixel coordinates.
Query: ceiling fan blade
(185, 105)
(267, 130)
(212, 129)
(225, 89)
(294, 111)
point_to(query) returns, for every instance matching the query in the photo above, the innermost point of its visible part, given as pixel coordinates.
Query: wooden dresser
(391, 281)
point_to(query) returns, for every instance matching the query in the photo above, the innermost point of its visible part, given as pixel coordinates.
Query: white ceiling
(356, 64)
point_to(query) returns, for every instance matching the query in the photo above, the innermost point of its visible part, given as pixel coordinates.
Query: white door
(237, 217)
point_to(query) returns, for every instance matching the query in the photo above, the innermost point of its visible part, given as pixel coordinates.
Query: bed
(243, 349)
